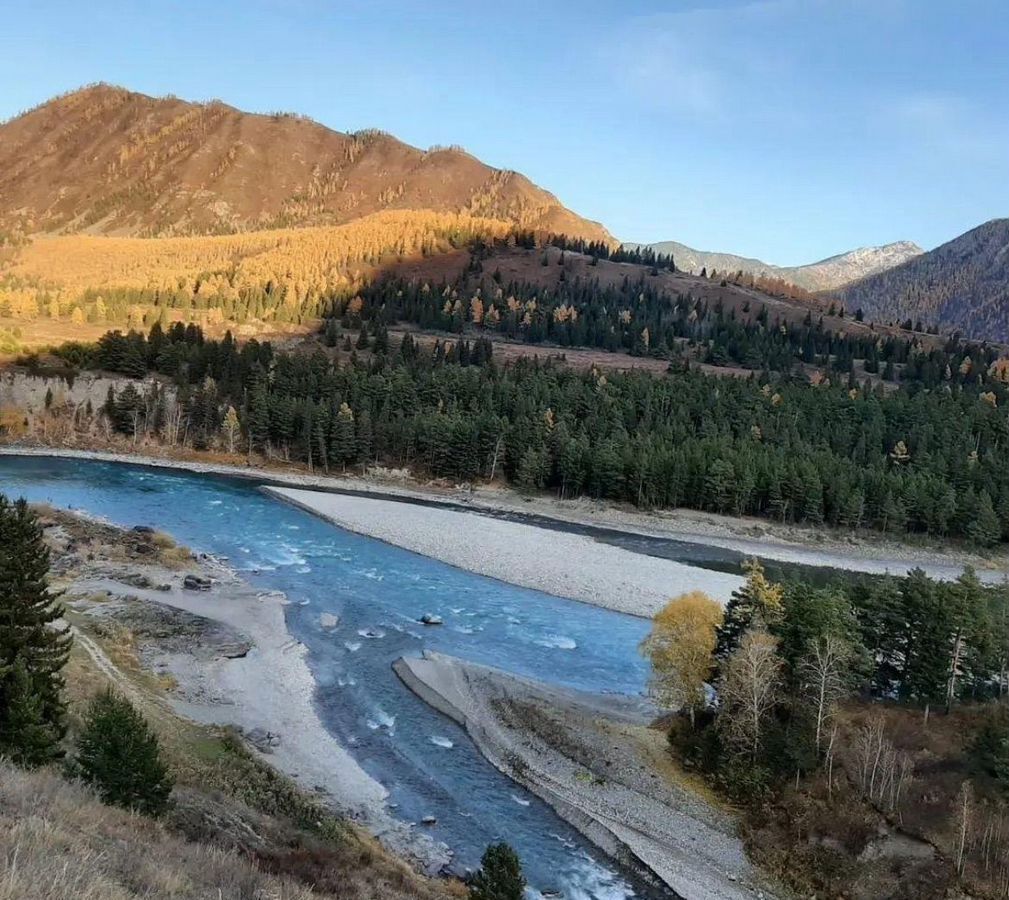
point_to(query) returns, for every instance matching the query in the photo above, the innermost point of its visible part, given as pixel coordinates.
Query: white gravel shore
(566, 565)
(615, 802)
(862, 552)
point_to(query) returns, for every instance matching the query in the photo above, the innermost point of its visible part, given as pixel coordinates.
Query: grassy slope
(237, 829)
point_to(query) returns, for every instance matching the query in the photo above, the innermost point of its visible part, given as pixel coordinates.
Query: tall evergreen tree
(757, 603)
(33, 647)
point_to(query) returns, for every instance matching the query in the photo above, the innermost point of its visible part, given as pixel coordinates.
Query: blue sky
(784, 129)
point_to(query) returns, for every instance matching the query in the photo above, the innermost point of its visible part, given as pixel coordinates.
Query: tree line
(639, 317)
(901, 461)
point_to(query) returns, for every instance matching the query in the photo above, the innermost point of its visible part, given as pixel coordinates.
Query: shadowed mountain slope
(962, 285)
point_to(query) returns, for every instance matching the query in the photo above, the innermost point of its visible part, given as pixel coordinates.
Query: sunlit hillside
(282, 275)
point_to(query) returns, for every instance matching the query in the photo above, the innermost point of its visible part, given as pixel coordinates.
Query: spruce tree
(33, 648)
(984, 528)
(500, 876)
(756, 604)
(119, 754)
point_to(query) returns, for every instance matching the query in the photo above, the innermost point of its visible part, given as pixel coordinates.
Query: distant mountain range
(818, 276)
(962, 285)
(105, 160)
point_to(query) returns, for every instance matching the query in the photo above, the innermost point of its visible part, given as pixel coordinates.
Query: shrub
(500, 876)
(119, 755)
(990, 750)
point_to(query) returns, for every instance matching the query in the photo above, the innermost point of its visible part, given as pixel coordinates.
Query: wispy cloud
(755, 61)
(702, 61)
(947, 123)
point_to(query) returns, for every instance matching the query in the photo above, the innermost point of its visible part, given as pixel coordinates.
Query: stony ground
(594, 759)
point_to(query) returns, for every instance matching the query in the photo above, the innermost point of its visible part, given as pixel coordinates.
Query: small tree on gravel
(119, 755)
(500, 876)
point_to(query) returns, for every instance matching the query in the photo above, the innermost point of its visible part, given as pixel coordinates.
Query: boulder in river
(328, 620)
(429, 820)
(431, 619)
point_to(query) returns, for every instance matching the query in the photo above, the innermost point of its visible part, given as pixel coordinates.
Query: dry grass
(169, 553)
(57, 842)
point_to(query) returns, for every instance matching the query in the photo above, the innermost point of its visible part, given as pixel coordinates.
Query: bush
(500, 875)
(745, 781)
(990, 751)
(119, 755)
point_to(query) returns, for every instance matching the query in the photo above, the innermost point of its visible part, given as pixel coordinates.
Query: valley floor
(228, 658)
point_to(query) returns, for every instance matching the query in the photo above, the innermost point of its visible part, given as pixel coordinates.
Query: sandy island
(593, 759)
(560, 563)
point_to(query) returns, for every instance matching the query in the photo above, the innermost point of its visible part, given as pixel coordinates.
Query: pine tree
(984, 528)
(757, 603)
(33, 739)
(119, 754)
(343, 443)
(362, 337)
(33, 649)
(500, 876)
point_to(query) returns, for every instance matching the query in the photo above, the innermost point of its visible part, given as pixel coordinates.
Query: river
(379, 593)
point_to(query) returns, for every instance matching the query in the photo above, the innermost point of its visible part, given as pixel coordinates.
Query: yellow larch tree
(680, 649)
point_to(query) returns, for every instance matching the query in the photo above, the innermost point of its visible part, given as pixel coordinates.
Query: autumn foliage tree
(749, 690)
(680, 648)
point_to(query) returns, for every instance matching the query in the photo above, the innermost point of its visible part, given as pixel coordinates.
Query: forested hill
(634, 302)
(110, 161)
(904, 460)
(961, 286)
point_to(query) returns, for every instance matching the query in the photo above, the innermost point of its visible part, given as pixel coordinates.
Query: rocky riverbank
(595, 761)
(223, 653)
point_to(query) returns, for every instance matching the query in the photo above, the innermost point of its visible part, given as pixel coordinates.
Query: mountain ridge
(824, 274)
(962, 285)
(106, 160)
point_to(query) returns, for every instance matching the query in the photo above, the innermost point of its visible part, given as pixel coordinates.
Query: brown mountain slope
(109, 161)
